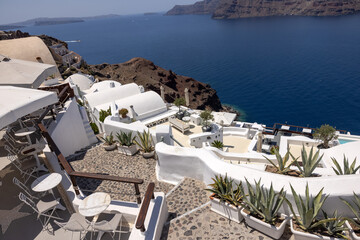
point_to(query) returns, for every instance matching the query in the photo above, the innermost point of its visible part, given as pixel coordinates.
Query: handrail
(140, 222)
(275, 124)
(73, 174)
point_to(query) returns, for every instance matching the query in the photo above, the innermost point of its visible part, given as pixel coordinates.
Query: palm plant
(223, 189)
(262, 202)
(354, 208)
(109, 139)
(335, 228)
(308, 209)
(125, 139)
(348, 169)
(281, 168)
(145, 141)
(309, 162)
(217, 144)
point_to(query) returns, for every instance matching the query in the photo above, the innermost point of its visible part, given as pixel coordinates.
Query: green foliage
(223, 188)
(217, 144)
(348, 169)
(123, 112)
(281, 168)
(206, 116)
(336, 227)
(273, 149)
(94, 127)
(125, 139)
(145, 141)
(326, 133)
(309, 162)
(179, 102)
(109, 139)
(355, 208)
(262, 202)
(103, 114)
(308, 209)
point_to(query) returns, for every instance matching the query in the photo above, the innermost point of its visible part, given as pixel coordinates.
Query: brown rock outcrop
(232, 9)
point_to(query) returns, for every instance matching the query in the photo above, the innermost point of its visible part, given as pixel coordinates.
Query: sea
(297, 70)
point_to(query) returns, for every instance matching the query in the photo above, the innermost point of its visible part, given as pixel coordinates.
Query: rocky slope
(231, 9)
(144, 72)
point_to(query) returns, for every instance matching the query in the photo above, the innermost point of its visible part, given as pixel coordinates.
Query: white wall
(68, 130)
(174, 163)
(216, 133)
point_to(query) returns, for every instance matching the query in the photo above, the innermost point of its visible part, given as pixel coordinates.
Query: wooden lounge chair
(180, 125)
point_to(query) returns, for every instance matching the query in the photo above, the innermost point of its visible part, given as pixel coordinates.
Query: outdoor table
(25, 132)
(186, 119)
(94, 204)
(46, 182)
(33, 150)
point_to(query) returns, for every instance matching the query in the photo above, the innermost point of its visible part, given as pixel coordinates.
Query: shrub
(179, 102)
(94, 127)
(262, 202)
(123, 112)
(309, 162)
(206, 116)
(347, 169)
(217, 144)
(223, 189)
(125, 139)
(103, 114)
(326, 133)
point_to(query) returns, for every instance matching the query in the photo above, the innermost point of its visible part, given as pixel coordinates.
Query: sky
(12, 11)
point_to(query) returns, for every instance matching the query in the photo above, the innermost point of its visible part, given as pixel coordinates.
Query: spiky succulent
(125, 139)
(263, 202)
(355, 208)
(217, 144)
(336, 227)
(282, 167)
(109, 139)
(347, 169)
(309, 162)
(145, 141)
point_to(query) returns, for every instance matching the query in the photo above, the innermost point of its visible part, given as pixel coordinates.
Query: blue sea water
(299, 70)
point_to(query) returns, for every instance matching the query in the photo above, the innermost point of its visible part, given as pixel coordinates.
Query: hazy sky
(19, 10)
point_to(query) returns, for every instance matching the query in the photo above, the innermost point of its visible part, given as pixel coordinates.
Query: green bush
(94, 127)
(103, 114)
(326, 133)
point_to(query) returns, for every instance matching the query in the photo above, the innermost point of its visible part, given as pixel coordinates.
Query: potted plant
(326, 133)
(145, 142)
(103, 114)
(306, 224)
(126, 143)
(261, 210)
(217, 144)
(225, 199)
(109, 143)
(179, 102)
(347, 169)
(354, 224)
(206, 116)
(282, 167)
(123, 112)
(309, 162)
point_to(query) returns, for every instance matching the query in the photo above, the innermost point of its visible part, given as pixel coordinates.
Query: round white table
(46, 182)
(94, 204)
(25, 131)
(186, 119)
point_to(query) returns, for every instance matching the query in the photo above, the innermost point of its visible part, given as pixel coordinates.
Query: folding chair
(76, 223)
(110, 226)
(42, 208)
(25, 173)
(30, 193)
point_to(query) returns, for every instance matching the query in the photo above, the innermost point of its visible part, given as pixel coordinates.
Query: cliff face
(201, 7)
(231, 9)
(144, 72)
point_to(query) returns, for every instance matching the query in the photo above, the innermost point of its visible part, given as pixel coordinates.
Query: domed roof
(82, 81)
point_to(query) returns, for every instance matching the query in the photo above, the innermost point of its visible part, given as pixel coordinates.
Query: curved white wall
(174, 163)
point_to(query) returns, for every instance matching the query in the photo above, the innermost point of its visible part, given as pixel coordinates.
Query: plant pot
(266, 228)
(225, 209)
(179, 115)
(149, 154)
(206, 128)
(352, 234)
(110, 147)
(308, 236)
(128, 150)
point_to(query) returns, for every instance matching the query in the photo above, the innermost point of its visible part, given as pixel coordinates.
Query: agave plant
(262, 202)
(281, 168)
(336, 227)
(145, 141)
(217, 144)
(125, 139)
(109, 139)
(309, 162)
(223, 188)
(348, 169)
(354, 208)
(308, 209)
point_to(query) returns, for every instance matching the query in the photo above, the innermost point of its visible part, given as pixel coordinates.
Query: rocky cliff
(231, 9)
